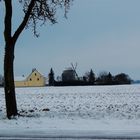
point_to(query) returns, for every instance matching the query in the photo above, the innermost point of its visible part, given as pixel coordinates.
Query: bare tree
(34, 11)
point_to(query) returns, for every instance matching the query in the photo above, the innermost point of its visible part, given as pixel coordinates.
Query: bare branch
(44, 10)
(25, 20)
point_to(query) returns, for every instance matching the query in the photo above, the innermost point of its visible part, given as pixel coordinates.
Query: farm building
(35, 79)
(68, 75)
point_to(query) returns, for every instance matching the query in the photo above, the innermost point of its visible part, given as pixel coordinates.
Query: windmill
(74, 67)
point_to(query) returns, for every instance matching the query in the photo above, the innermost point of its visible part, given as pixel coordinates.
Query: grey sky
(98, 34)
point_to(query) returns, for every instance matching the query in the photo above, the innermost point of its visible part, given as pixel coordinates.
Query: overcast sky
(100, 34)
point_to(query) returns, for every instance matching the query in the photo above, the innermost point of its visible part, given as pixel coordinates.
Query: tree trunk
(9, 86)
(10, 42)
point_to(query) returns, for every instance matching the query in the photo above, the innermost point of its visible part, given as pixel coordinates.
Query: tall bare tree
(34, 11)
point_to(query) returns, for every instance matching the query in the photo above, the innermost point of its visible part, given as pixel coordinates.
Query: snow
(86, 111)
(20, 78)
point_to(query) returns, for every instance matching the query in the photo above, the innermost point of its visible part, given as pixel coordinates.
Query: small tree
(91, 77)
(51, 78)
(34, 11)
(109, 79)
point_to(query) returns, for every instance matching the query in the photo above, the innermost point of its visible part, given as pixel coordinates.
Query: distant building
(35, 79)
(68, 75)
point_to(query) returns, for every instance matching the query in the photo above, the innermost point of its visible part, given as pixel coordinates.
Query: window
(30, 79)
(35, 74)
(37, 79)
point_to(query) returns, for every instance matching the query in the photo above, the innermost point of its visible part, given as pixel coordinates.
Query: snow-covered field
(81, 111)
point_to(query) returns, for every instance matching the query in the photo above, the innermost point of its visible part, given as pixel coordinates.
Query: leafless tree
(34, 11)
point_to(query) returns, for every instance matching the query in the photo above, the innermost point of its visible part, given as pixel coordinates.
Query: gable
(34, 73)
(35, 76)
